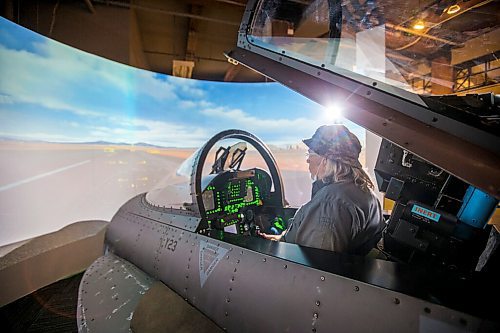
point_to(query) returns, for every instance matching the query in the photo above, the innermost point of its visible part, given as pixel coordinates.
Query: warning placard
(210, 255)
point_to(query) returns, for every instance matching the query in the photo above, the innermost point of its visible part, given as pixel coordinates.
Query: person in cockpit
(343, 214)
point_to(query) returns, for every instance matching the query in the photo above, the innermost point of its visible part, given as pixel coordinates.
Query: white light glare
(334, 113)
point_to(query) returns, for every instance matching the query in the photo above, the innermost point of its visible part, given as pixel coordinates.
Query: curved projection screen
(80, 135)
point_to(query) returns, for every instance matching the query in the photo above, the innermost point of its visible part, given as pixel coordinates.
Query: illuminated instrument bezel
(198, 206)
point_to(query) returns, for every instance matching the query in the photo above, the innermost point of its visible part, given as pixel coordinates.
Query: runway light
(419, 25)
(453, 9)
(333, 113)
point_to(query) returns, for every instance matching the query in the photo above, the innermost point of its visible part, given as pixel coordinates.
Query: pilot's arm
(289, 233)
(325, 224)
(281, 236)
(275, 238)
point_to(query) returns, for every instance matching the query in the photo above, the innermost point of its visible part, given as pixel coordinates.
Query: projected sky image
(76, 132)
(52, 92)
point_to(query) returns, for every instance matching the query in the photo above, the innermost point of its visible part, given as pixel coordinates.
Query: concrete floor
(50, 309)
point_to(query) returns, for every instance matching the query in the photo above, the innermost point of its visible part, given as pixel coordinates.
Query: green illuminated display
(279, 223)
(227, 196)
(236, 199)
(217, 204)
(239, 202)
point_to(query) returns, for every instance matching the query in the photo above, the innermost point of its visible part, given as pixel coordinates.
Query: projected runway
(44, 187)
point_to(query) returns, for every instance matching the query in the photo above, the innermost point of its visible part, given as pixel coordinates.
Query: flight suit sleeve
(339, 223)
(325, 224)
(293, 226)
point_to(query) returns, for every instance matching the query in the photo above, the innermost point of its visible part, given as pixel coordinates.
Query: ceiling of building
(186, 38)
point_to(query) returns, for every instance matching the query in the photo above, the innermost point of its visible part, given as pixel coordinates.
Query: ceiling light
(182, 68)
(453, 9)
(419, 25)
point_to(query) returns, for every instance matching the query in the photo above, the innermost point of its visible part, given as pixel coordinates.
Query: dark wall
(104, 32)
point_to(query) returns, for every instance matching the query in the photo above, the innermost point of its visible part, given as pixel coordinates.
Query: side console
(437, 220)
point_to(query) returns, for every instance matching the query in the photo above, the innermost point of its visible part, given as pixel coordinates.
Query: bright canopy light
(419, 25)
(333, 113)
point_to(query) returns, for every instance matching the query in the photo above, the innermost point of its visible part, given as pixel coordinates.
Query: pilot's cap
(336, 142)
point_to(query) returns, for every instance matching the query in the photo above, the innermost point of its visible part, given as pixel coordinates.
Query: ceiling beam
(167, 12)
(90, 6)
(9, 10)
(231, 2)
(231, 72)
(137, 58)
(192, 36)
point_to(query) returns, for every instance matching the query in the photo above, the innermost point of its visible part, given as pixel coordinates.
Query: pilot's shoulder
(346, 193)
(339, 189)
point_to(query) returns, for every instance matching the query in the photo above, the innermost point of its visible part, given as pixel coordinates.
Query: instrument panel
(241, 202)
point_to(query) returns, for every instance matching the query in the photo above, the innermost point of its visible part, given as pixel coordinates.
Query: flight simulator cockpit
(235, 201)
(239, 201)
(437, 220)
(213, 252)
(400, 73)
(407, 72)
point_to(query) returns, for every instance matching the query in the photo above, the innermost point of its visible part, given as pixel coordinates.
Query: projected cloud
(50, 91)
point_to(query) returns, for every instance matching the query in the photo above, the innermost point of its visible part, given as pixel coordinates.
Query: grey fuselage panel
(251, 284)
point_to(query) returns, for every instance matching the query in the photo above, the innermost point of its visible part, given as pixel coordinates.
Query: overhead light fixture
(419, 25)
(453, 9)
(182, 68)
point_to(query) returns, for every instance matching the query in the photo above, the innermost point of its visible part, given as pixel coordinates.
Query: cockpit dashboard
(240, 201)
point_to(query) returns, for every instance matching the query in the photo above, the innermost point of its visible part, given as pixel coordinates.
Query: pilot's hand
(275, 238)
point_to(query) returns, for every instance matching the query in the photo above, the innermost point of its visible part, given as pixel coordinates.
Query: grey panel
(108, 294)
(147, 243)
(282, 290)
(343, 302)
(267, 294)
(247, 291)
(211, 277)
(131, 228)
(121, 236)
(162, 310)
(173, 258)
(179, 218)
